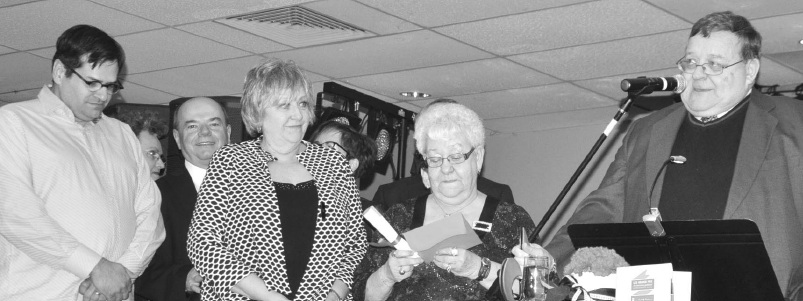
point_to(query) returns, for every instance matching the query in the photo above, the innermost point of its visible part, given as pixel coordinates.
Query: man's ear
(354, 163)
(58, 72)
(425, 177)
(176, 137)
(753, 65)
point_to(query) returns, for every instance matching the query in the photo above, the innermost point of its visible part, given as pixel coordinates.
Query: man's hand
(111, 279)
(88, 291)
(193, 282)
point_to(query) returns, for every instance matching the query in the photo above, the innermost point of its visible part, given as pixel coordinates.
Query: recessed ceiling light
(801, 42)
(414, 94)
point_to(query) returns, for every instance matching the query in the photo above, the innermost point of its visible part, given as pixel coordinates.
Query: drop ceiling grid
(37, 72)
(565, 26)
(792, 59)
(134, 93)
(217, 78)
(177, 12)
(168, 48)
(39, 24)
(608, 58)
(363, 16)
(454, 79)
(233, 37)
(693, 10)
(403, 51)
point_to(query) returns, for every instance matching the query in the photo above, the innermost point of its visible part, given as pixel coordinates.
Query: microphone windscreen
(681, 83)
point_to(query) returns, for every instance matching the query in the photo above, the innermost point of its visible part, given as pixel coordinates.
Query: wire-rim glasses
(95, 85)
(334, 145)
(710, 68)
(433, 162)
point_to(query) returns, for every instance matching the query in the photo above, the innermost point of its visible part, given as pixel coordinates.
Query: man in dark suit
(200, 128)
(743, 149)
(389, 194)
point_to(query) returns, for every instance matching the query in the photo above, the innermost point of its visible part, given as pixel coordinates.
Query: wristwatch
(485, 268)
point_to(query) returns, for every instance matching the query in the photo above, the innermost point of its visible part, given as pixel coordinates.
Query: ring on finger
(393, 254)
(448, 267)
(453, 251)
(402, 271)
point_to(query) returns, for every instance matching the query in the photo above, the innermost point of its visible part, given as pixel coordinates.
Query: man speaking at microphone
(743, 153)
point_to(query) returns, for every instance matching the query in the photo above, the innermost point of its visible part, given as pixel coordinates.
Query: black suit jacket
(403, 189)
(164, 278)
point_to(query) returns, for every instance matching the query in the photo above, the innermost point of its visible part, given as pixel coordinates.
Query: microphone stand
(534, 237)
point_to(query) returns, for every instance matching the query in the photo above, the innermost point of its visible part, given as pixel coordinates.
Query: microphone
(653, 219)
(649, 84)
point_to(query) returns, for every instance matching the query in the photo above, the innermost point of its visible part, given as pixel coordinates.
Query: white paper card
(681, 286)
(652, 282)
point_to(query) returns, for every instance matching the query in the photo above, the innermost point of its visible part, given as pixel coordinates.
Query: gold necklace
(447, 214)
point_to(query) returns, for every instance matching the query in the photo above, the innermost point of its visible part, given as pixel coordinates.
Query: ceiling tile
(7, 3)
(4, 50)
(22, 24)
(693, 10)
(530, 101)
(175, 12)
(362, 16)
(134, 93)
(218, 78)
(437, 13)
(611, 86)
(772, 73)
(455, 79)
(791, 59)
(565, 26)
(780, 34)
(11, 97)
(382, 54)
(616, 57)
(167, 48)
(556, 120)
(233, 37)
(23, 71)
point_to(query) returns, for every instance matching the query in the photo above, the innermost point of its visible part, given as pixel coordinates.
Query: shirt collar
(53, 105)
(196, 173)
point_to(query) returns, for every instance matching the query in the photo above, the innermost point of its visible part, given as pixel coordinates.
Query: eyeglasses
(156, 155)
(95, 85)
(334, 145)
(690, 65)
(433, 162)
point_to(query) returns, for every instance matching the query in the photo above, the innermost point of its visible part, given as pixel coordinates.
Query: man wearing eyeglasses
(200, 128)
(743, 151)
(79, 213)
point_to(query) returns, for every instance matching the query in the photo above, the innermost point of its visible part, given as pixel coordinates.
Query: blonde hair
(274, 82)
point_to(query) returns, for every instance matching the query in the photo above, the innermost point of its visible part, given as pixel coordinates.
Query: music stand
(727, 258)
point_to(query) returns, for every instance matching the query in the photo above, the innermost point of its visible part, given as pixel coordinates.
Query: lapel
(181, 183)
(759, 126)
(662, 137)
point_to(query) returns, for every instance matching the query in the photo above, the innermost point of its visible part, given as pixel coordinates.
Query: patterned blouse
(429, 282)
(236, 229)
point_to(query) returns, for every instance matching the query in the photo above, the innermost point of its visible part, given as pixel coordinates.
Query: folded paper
(453, 231)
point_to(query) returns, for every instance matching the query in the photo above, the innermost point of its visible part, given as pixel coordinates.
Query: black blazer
(165, 276)
(403, 189)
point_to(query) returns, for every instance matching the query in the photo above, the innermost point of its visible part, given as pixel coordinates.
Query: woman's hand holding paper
(400, 264)
(460, 262)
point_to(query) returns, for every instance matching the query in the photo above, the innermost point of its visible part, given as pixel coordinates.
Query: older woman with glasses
(451, 138)
(277, 218)
(149, 128)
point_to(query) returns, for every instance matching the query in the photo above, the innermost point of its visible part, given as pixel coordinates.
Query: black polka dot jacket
(236, 229)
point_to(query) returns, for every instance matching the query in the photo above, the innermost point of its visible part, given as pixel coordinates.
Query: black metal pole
(534, 237)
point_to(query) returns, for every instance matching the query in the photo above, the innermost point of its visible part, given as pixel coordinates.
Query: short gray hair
(273, 82)
(446, 119)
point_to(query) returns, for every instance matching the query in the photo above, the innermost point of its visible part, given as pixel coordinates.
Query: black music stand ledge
(727, 258)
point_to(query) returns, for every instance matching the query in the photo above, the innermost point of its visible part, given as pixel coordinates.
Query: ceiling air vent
(295, 26)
